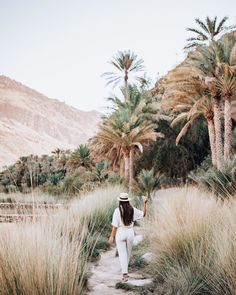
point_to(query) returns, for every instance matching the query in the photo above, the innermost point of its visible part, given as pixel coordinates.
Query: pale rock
(148, 257)
(137, 239)
(140, 283)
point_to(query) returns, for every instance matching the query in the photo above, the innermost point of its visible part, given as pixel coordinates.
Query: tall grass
(193, 238)
(27, 198)
(51, 256)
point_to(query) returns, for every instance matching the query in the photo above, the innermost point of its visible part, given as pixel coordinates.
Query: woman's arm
(113, 234)
(145, 207)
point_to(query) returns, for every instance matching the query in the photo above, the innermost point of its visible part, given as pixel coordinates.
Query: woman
(122, 229)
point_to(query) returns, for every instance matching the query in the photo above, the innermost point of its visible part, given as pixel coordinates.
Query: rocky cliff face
(31, 123)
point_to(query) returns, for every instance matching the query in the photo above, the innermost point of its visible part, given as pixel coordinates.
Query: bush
(221, 183)
(148, 182)
(72, 184)
(193, 239)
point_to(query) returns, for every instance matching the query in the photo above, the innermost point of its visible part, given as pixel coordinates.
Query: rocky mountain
(31, 123)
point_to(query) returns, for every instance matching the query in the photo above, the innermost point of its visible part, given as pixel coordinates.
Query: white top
(117, 222)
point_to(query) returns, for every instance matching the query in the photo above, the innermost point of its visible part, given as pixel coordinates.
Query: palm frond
(202, 25)
(201, 34)
(220, 25)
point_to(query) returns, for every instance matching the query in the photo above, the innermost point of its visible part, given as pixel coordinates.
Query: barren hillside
(31, 123)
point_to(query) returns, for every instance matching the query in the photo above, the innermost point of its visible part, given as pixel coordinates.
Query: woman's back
(117, 220)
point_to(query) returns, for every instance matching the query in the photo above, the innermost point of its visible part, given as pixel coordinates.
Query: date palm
(57, 152)
(148, 181)
(139, 102)
(216, 63)
(80, 157)
(125, 63)
(226, 85)
(127, 134)
(207, 31)
(191, 101)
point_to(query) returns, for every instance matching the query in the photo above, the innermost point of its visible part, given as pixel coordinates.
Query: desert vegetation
(178, 132)
(51, 256)
(192, 237)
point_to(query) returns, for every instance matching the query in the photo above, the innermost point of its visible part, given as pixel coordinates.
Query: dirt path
(107, 273)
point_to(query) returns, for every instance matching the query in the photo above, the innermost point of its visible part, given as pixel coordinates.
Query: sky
(61, 47)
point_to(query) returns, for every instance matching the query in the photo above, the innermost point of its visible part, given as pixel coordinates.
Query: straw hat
(124, 197)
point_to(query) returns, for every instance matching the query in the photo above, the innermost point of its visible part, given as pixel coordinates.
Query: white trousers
(124, 243)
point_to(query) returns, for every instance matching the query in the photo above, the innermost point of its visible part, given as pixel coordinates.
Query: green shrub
(72, 184)
(148, 181)
(221, 183)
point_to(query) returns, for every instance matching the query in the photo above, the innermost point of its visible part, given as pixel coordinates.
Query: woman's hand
(111, 240)
(145, 199)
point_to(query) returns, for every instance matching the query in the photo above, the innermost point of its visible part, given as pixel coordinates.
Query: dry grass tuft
(51, 256)
(193, 237)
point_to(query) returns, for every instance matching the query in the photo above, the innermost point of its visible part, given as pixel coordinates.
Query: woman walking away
(122, 229)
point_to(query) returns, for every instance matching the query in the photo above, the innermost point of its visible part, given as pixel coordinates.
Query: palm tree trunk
(121, 167)
(126, 86)
(211, 132)
(218, 133)
(228, 130)
(126, 160)
(131, 169)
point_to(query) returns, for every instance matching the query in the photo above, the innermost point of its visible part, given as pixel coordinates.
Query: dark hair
(126, 212)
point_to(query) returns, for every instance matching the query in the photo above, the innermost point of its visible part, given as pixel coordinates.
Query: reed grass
(193, 238)
(51, 256)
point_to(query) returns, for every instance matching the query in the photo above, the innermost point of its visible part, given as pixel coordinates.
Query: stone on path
(138, 239)
(148, 257)
(140, 283)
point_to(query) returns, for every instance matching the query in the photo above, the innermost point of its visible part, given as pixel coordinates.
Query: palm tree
(225, 84)
(80, 157)
(57, 152)
(126, 133)
(213, 62)
(207, 31)
(227, 87)
(125, 63)
(193, 101)
(148, 181)
(139, 103)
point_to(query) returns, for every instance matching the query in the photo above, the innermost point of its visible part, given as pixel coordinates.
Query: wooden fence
(25, 212)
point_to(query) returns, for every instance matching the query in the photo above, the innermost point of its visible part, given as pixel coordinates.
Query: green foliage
(148, 181)
(80, 157)
(114, 178)
(72, 184)
(175, 162)
(221, 183)
(124, 62)
(54, 178)
(66, 173)
(101, 171)
(206, 31)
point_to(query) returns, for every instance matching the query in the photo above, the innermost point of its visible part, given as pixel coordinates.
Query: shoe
(125, 278)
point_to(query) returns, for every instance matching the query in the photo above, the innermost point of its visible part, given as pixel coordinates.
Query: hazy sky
(61, 48)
